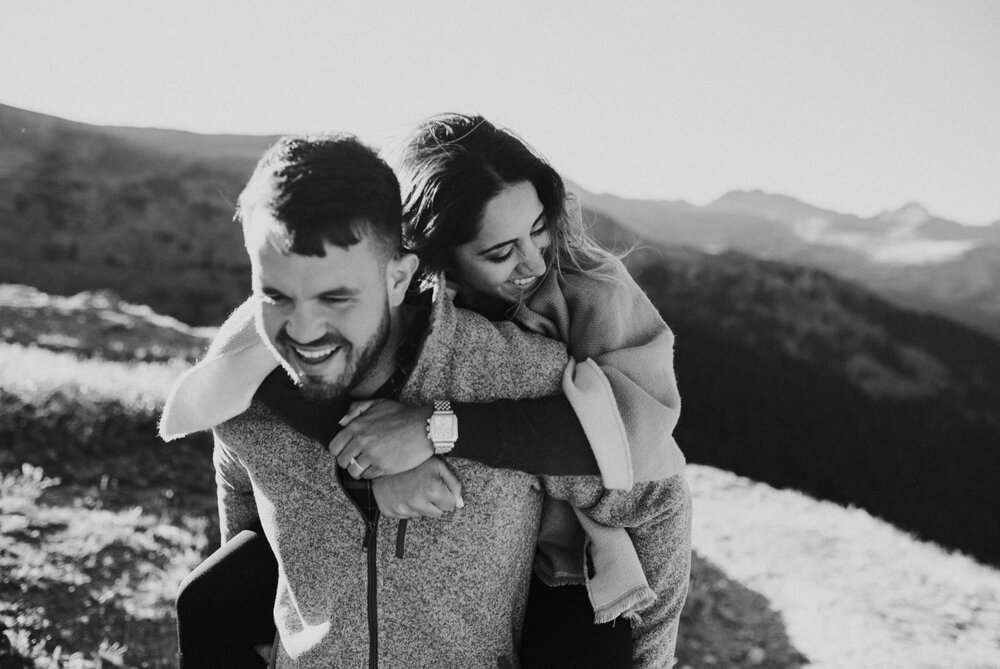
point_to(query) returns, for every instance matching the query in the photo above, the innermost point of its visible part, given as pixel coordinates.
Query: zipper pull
(369, 535)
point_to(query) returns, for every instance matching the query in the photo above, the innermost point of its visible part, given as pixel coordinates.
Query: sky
(856, 106)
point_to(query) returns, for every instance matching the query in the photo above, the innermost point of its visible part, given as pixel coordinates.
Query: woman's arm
(540, 436)
(620, 407)
(622, 386)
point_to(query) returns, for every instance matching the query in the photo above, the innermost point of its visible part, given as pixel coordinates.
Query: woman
(485, 212)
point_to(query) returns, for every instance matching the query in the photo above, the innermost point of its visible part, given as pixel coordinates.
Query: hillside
(91, 561)
(99, 520)
(85, 207)
(789, 375)
(794, 378)
(147, 214)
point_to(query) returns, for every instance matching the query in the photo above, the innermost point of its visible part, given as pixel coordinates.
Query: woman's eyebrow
(510, 241)
(495, 247)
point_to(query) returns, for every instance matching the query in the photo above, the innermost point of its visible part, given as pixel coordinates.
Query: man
(321, 225)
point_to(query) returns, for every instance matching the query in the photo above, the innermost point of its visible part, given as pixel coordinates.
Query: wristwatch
(442, 427)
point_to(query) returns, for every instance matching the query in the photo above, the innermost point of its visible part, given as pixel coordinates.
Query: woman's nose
(533, 260)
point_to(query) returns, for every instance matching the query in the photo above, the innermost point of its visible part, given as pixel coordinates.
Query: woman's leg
(559, 631)
(224, 607)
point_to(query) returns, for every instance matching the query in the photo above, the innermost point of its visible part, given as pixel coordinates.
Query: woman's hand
(431, 490)
(382, 437)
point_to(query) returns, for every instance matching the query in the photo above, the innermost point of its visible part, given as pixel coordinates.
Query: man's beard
(318, 389)
(315, 387)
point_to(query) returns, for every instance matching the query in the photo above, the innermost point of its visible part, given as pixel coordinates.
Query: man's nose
(304, 327)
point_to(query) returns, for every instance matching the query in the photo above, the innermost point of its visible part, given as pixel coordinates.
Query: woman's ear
(398, 273)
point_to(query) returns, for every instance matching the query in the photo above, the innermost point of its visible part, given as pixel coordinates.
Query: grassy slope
(91, 562)
(86, 586)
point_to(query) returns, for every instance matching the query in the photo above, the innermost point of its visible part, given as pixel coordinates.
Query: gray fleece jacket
(448, 592)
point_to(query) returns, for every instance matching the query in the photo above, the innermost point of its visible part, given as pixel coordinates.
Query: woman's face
(507, 258)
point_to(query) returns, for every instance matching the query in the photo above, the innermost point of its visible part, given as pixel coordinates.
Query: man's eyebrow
(342, 291)
(511, 241)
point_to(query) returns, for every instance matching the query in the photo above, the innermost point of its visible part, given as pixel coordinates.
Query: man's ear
(398, 273)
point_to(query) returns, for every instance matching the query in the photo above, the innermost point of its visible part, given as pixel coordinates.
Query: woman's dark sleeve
(538, 436)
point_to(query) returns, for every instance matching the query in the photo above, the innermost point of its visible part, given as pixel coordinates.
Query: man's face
(327, 318)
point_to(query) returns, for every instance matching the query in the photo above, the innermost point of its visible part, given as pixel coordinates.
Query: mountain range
(790, 374)
(909, 256)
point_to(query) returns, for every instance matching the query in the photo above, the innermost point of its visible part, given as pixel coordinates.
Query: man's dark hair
(326, 188)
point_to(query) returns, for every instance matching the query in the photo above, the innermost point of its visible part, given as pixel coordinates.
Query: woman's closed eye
(538, 230)
(503, 257)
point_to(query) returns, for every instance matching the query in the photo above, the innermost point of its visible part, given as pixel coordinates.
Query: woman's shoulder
(609, 280)
(607, 300)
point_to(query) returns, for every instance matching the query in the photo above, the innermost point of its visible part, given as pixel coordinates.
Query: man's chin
(316, 389)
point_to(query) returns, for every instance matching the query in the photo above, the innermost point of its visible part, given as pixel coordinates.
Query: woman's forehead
(510, 214)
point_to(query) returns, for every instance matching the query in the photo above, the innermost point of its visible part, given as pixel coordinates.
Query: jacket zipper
(370, 545)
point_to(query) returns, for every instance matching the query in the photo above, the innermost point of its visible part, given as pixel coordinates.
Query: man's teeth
(524, 282)
(315, 355)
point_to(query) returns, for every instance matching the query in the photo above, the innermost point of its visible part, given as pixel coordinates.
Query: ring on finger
(353, 462)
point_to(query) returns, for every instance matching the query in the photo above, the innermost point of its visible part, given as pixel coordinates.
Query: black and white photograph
(482, 335)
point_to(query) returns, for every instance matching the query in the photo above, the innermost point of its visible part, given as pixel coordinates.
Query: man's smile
(314, 356)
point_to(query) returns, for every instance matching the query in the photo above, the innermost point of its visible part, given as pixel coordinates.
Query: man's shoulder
(468, 357)
(254, 425)
(465, 332)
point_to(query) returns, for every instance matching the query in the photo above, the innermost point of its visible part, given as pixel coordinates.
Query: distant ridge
(908, 255)
(190, 145)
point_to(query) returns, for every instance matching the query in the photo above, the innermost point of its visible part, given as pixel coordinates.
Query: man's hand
(431, 489)
(382, 437)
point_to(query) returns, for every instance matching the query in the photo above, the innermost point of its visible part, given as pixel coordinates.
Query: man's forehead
(355, 267)
(260, 222)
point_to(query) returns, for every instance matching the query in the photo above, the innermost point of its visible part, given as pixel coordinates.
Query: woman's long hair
(452, 165)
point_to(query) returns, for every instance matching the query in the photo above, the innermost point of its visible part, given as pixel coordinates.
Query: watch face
(444, 428)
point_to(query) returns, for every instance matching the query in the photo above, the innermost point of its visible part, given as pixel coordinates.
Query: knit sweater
(456, 595)
(621, 383)
(621, 379)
